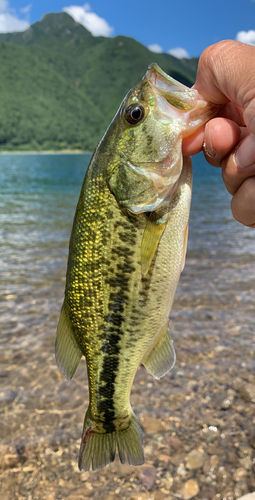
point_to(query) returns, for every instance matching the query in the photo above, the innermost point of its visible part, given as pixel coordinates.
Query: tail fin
(98, 449)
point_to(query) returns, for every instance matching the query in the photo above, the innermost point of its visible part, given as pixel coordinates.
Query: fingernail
(207, 146)
(245, 153)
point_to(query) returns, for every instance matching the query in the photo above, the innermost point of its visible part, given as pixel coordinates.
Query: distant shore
(61, 152)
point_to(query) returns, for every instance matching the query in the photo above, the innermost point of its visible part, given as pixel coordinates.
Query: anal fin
(68, 353)
(162, 356)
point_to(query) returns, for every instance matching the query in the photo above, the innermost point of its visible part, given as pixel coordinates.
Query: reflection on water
(38, 195)
(213, 310)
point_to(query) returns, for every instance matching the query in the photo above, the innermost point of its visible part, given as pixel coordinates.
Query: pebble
(123, 470)
(80, 494)
(176, 444)
(247, 392)
(223, 477)
(148, 477)
(176, 459)
(195, 459)
(232, 458)
(250, 496)
(151, 425)
(181, 471)
(227, 495)
(244, 451)
(246, 463)
(115, 496)
(239, 474)
(211, 434)
(189, 490)
(166, 482)
(237, 492)
(214, 462)
(9, 458)
(161, 495)
(164, 458)
(142, 496)
(229, 400)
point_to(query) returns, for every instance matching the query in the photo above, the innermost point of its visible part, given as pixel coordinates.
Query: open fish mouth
(180, 98)
(175, 93)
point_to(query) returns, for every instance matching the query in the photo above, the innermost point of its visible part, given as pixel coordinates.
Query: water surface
(212, 318)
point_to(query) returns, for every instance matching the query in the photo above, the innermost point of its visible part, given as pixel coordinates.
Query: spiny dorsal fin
(68, 353)
(151, 236)
(162, 356)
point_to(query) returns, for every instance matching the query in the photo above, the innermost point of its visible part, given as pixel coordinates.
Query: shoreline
(61, 152)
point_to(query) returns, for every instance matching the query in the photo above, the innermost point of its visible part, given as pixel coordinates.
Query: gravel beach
(198, 420)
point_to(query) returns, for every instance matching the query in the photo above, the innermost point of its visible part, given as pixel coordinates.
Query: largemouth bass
(127, 250)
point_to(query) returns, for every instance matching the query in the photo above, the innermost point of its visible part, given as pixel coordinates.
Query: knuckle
(212, 54)
(249, 185)
(243, 203)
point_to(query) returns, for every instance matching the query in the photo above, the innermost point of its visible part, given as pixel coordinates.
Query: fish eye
(134, 113)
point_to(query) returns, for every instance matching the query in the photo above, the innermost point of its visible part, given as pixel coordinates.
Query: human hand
(226, 76)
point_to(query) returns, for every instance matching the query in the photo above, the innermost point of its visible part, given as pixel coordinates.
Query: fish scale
(127, 250)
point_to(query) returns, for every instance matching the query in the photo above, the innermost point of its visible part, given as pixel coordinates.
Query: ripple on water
(212, 321)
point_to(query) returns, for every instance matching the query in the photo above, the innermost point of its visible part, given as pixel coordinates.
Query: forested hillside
(60, 86)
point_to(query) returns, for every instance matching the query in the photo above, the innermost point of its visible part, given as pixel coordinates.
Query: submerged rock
(239, 474)
(148, 477)
(250, 496)
(195, 459)
(189, 490)
(229, 400)
(247, 392)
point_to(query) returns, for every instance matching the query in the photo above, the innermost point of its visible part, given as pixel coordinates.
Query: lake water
(38, 196)
(213, 310)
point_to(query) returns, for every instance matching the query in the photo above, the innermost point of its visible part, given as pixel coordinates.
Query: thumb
(226, 73)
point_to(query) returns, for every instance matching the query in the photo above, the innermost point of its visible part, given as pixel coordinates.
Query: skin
(226, 76)
(127, 250)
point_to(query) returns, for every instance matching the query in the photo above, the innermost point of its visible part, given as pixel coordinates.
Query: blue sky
(190, 25)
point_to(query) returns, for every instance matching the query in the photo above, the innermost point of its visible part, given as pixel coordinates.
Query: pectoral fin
(151, 236)
(162, 356)
(68, 353)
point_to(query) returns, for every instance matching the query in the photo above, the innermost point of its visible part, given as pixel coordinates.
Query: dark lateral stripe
(119, 282)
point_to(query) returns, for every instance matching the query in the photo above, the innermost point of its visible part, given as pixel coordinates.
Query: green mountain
(60, 86)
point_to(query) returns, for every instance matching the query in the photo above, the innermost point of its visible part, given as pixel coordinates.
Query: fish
(127, 251)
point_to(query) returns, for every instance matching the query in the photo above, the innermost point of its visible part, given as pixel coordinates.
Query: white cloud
(179, 52)
(3, 5)
(83, 15)
(246, 37)
(26, 9)
(154, 47)
(9, 22)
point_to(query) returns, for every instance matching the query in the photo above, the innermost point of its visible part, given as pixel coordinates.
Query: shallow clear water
(215, 298)
(38, 196)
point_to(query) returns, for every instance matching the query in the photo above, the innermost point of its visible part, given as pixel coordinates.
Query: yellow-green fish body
(127, 251)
